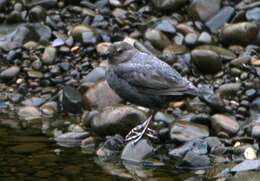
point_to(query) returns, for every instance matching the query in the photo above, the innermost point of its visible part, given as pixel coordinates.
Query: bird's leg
(138, 132)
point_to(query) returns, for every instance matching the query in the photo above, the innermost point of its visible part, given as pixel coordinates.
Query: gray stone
(218, 21)
(71, 139)
(10, 72)
(246, 165)
(204, 9)
(116, 120)
(93, 77)
(253, 15)
(192, 159)
(223, 123)
(204, 38)
(49, 55)
(71, 100)
(157, 38)
(100, 96)
(29, 113)
(169, 5)
(182, 131)
(137, 152)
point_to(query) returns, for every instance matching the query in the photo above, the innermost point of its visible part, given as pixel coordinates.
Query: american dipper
(144, 80)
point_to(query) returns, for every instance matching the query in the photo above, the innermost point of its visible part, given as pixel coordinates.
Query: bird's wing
(152, 80)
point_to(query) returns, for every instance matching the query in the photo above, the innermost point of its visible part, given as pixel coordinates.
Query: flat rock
(246, 165)
(182, 131)
(116, 120)
(29, 113)
(71, 139)
(169, 5)
(137, 152)
(194, 160)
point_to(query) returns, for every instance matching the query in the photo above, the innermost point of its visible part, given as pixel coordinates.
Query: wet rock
(49, 108)
(192, 159)
(203, 9)
(229, 89)
(253, 15)
(218, 21)
(49, 55)
(89, 38)
(166, 26)
(169, 5)
(224, 53)
(191, 39)
(248, 175)
(102, 47)
(213, 143)
(157, 38)
(137, 152)
(10, 73)
(29, 113)
(101, 96)
(35, 74)
(28, 148)
(3, 4)
(246, 165)
(44, 3)
(184, 131)
(231, 34)
(112, 146)
(198, 146)
(93, 77)
(115, 3)
(58, 42)
(116, 120)
(37, 14)
(206, 61)
(256, 131)
(70, 139)
(77, 31)
(225, 124)
(204, 38)
(71, 100)
(34, 101)
(14, 17)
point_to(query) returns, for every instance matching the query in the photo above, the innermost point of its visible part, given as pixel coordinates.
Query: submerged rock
(192, 159)
(70, 139)
(246, 165)
(29, 113)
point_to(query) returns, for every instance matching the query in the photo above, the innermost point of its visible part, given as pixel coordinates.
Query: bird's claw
(139, 131)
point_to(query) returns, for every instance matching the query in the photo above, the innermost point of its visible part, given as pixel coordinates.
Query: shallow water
(28, 154)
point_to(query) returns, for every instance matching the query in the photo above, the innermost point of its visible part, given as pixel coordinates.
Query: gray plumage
(143, 79)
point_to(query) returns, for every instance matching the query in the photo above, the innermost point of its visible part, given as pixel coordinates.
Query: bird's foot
(139, 131)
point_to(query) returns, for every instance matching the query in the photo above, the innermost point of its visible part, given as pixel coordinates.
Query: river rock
(232, 33)
(198, 146)
(246, 165)
(203, 9)
(44, 3)
(37, 14)
(137, 152)
(116, 120)
(157, 38)
(223, 123)
(101, 96)
(229, 89)
(28, 148)
(49, 55)
(70, 139)
(218, 21)
(206, 61)
(29, 113)
(192, 159)
(253, 15)
(34, 101)
(204, 38)
(10, 72)
(71, 100)
(93, 77)
(166, 26)
(169, 5)
(78, 30)
(182, 131)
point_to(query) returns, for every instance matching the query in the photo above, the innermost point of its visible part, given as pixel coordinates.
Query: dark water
(28, 154)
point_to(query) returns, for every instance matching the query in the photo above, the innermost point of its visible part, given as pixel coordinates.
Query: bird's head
(120, 52)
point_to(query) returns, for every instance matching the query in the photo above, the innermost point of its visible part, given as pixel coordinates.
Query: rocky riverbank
(52, 64)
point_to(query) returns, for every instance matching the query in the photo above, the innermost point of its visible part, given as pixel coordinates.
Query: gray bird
(144, 80)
